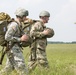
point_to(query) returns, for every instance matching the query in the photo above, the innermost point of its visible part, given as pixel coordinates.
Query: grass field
(61, 57)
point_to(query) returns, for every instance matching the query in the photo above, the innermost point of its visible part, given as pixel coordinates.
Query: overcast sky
(63, 15)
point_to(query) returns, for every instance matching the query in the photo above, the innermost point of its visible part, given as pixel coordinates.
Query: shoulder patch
(13, 25)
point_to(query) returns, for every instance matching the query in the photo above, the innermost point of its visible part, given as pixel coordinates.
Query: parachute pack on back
(4, 19)
(27, 24)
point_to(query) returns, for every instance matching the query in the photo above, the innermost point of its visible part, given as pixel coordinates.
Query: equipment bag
(4, 19)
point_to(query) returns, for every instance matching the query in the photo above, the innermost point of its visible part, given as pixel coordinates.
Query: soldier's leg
(42, 59)
(32, 65)
(21, 68)
(7, 69)
(32, 60)
(20, 63)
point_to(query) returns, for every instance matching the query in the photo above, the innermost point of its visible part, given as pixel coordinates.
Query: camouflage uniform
(38, 47)
(15, 59)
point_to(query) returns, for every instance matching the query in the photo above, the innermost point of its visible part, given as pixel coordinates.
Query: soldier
(38, 47)
(15, 36)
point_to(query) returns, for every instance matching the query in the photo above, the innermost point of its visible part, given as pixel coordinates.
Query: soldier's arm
(9, 36)
(35, 31)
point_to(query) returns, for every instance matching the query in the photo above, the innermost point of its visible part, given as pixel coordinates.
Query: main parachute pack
(4, 20)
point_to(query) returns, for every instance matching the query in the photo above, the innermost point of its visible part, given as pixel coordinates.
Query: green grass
(61, 57)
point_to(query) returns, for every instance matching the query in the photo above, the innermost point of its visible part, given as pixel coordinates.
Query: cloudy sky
(63, 15)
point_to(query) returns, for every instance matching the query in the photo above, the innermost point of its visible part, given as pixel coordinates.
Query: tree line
(60, 42)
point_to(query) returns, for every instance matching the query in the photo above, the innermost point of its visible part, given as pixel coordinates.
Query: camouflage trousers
(15, 60)
(39, 58)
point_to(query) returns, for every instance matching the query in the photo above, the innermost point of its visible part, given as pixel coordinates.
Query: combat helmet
(44, 13)
(21, 12)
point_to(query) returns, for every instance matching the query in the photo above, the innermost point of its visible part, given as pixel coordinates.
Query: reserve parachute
(50, 32)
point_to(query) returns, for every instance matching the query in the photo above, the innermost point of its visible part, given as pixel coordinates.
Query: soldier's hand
(24, 38)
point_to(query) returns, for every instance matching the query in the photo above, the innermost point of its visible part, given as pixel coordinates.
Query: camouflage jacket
(35, 33)
(14, 32)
